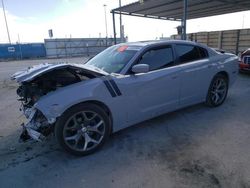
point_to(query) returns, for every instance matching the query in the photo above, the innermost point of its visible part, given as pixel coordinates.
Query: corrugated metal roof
(173, 9)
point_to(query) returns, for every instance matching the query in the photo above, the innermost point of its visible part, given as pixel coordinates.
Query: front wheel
(82, 129)
(217, 92)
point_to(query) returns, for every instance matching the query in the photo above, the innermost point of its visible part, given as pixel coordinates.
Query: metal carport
(180, 10)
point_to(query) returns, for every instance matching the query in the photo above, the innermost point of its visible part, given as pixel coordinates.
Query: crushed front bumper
(35, 125)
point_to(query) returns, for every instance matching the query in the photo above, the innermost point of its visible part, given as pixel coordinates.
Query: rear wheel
(217, 92)
(82, 129)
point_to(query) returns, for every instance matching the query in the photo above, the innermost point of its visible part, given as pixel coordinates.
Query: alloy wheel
(84, 131)
(218, 91)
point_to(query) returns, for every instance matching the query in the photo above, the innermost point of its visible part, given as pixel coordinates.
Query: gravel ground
(194, 147)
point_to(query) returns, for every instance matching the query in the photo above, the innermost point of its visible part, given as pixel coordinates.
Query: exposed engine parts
(37, 126)
(30, 92)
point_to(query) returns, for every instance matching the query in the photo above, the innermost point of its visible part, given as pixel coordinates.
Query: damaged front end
(37, 126)
(38, 81)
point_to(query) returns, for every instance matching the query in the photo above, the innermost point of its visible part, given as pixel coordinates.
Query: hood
(32, 72)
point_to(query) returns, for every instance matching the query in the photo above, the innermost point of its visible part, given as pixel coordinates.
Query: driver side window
(158, 58)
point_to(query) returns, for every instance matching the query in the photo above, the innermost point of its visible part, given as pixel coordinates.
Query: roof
(144, 43)
(173, 9)
(155, 43)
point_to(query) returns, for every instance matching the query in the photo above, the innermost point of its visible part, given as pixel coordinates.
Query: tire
(83, 129)
(217, 91)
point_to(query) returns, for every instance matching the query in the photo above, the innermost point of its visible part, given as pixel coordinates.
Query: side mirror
(140, 68)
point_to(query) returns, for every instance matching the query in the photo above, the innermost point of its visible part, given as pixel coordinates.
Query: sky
(31, 20)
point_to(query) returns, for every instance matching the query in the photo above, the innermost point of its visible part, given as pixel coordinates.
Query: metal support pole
(20, 48)
(113, 14)
(237, 42)
(121, 32)
(106, 25)
(184, 21)
(7, 28)
(220, 37)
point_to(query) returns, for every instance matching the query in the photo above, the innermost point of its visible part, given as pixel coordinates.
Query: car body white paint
(144, 95)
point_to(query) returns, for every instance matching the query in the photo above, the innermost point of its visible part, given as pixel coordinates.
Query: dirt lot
(194, 147)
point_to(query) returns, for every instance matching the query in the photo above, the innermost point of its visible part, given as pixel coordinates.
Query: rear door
(196, 73)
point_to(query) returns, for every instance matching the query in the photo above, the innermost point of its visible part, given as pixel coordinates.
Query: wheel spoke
(96, 128)
(85, 145)
(93, 117)
(217, 97)
(218, 84)
(74, 126)
(221, 90)
(213, 92)
(213, 97)
(74, 137)
(85, 116)
(88, 140)
(223, 85)
(74, 120)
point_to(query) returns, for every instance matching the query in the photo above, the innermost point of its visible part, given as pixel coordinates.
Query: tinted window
(158, 58)
(203, 52)
(189, 53)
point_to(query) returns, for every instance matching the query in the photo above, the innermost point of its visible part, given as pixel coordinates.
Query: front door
(155, 92)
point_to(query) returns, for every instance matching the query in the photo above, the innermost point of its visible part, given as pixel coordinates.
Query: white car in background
(123, 85)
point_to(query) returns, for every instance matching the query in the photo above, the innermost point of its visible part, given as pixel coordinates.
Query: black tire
(210, 101)
(73, 122)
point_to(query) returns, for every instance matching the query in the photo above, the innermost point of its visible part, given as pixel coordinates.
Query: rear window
(203, 52)
(188, 53)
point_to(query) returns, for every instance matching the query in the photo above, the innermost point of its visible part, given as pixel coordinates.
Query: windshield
(113, 59)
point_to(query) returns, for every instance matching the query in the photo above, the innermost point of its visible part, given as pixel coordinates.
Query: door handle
(174, 77)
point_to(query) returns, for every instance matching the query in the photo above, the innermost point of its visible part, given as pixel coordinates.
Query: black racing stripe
(110, 89)
(114, 85)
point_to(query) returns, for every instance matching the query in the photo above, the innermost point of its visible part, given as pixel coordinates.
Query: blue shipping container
(22, 51)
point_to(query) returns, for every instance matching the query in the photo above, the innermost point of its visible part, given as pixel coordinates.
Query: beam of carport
(181, 10)
(184, 21)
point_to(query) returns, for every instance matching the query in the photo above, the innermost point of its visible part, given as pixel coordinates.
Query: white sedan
(123, 85)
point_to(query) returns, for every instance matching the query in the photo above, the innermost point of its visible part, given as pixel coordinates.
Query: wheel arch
(224, 73)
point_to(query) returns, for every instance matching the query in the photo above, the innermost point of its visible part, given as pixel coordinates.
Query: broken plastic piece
(24, 136)
(35, 135)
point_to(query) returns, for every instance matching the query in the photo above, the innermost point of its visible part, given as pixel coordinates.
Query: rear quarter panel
(229, 64)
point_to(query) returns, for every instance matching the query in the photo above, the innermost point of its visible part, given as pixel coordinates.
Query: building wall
(72, 47)
(22, 51)
(234, 41)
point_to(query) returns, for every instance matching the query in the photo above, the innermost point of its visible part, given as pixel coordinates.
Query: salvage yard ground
(194, 147)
